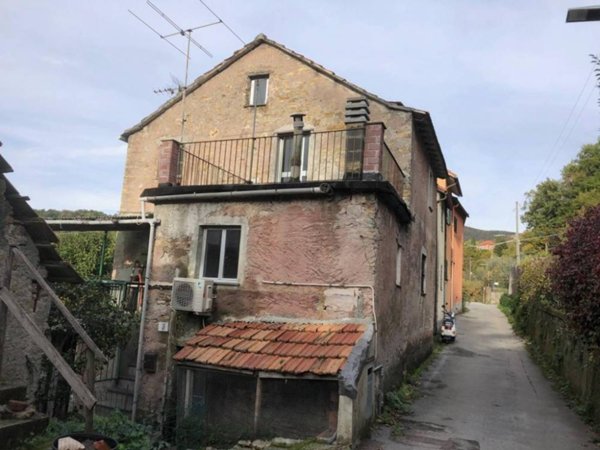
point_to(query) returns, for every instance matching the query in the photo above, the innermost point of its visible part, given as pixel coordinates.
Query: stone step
(12, 393)
(12, 431)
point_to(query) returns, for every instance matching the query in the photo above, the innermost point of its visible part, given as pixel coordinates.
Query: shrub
(534, 283)
(575, 276)
(508, 303)
(472, 291)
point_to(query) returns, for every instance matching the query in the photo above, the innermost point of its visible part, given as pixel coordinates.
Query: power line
(573, 126)
(555, 148)
(186, 33)
(221, 21)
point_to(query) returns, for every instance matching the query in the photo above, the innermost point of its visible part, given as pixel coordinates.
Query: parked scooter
(448, 330)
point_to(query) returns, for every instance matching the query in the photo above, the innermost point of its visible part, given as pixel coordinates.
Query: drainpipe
(296, 160)
(102, 252)
(140, 351)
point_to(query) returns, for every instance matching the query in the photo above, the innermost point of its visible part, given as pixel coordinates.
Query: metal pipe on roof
(322, 189)
(140, 351)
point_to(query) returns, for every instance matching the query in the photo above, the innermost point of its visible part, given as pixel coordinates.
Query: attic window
(259, 89)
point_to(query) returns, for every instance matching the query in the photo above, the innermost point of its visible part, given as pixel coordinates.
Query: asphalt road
(484, 392)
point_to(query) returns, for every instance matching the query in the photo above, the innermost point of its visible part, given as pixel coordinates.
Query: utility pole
(517, 241)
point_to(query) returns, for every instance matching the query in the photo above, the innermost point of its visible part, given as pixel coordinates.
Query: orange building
(452, 217)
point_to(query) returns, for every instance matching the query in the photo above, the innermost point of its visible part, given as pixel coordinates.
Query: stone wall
(21, 358)
(569, 357)
(405, 316)
(219, 110)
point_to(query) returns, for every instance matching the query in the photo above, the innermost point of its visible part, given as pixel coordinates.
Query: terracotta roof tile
(262, 334)
(274, 334)
(183, 353)
(306, 364)
(231, 343)
(294, 348)
(291, 365)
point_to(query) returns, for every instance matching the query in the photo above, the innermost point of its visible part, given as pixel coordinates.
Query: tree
(83, 249)
(581, 178)
(108, 324)
(575, 275)
(553, 203)
(546, 208)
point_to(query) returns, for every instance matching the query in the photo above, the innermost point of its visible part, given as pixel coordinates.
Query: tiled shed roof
(293, 348)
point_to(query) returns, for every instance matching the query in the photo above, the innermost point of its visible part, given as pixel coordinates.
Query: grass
(398, 402)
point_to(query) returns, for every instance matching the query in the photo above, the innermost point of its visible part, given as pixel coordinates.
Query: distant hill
(54, 214)
(482, 235)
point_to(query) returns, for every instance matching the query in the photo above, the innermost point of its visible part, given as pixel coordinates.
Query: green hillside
(482, 235)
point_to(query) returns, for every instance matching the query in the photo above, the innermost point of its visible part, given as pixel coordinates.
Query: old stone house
(22, 228)
(318, 232)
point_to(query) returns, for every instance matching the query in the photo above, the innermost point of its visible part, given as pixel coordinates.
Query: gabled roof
(291, 348)
(422, 119)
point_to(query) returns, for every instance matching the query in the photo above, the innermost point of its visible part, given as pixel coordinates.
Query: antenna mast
(187, 33)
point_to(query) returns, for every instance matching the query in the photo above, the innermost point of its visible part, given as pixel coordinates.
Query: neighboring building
(486, 245)
(451, 225)
(22, 228)
(319, 233)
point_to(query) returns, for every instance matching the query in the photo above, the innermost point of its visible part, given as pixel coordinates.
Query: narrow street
(485, 392)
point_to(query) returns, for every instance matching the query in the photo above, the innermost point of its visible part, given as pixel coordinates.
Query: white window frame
(219, 278)
(253, 86)
(303, 173)
(399, 266)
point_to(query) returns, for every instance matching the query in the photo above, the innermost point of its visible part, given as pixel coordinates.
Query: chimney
(357, 115)
(357, 111)
(296, 159)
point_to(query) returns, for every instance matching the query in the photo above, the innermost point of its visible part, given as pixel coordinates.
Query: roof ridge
(258, 40)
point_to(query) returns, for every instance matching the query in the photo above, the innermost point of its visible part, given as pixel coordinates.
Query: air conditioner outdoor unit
(192, 294)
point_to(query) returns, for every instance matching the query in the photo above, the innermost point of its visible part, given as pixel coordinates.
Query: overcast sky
(501, 80)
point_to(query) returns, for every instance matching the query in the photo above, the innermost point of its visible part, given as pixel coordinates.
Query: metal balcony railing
(391, 171)
(325, 156)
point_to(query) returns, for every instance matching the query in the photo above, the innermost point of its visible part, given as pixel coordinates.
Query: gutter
(98, 222)
(323, 189)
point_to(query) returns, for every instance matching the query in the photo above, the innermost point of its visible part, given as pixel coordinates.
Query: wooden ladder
(83, 390)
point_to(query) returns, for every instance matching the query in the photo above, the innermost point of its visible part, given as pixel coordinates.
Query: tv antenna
(183, 32)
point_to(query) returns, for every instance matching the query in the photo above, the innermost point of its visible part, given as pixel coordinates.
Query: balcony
(352, 154)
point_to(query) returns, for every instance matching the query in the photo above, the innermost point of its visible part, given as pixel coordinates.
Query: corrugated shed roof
(289, 348)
